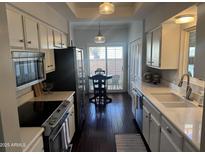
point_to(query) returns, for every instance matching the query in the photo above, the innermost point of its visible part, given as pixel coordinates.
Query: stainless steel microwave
(29, 68)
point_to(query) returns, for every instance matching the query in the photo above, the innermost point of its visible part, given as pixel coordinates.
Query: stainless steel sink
(172, 100)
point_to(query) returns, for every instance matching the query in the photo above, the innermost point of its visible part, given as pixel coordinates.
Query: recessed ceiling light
(184, 19)
(106, 8)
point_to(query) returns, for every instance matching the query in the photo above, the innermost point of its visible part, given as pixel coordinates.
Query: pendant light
(99, 38)
(106, 8)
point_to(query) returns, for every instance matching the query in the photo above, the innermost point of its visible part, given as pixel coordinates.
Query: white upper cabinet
(64, 40)
(149, 49)
(31, 33)
(50, 39)
(156, 43)
(57, 39)
(50, 60)
(15, 27)
(43, 36)
(163, 45)
(26, 32)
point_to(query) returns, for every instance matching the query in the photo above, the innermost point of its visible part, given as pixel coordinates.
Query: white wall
(45, 13)
(135, 30)
(9, 123)
(113, 34)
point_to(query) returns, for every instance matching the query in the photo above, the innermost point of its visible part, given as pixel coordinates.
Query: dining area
(99, 82)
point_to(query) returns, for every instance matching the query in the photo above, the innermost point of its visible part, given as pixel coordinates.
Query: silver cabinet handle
(29, 42)
(21, 41)
(168, 130)
(150, 62)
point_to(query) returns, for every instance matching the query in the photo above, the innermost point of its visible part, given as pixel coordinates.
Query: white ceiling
(191, 10)
(96, 4)
(87, 13)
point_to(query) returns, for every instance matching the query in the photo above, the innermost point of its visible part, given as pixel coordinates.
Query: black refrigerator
(69, 76)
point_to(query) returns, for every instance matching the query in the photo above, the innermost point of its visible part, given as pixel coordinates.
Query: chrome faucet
(188, 87)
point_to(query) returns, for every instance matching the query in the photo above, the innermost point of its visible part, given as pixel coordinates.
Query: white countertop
(187, 120)
(29, 135)
(54, 96)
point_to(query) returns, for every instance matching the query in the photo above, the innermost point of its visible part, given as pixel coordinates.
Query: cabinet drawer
(152, 109)
(174, 135)
(37, 146)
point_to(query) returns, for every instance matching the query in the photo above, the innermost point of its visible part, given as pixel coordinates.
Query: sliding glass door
(110, 59)
(115, 67)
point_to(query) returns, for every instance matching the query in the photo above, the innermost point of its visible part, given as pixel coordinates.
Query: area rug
(129, 143)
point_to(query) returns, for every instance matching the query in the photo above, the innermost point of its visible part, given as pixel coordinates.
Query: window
(191, 52)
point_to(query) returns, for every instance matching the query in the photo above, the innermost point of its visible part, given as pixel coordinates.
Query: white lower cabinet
(171, 139)
(160, 134)
(151, 125)
(187, 147)
(71, 122)
(166, 143)
(37, 146)
(154, 134)
(145, 126)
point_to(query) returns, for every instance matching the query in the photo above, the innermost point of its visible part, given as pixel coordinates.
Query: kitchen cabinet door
(64, 40)
(37, 146)
(139, 60)
(50, 60)
(154, 139)
(149, 49)
(31, 33)
(72, 122)
(15, 27)
(43, 36)
(50, 39)
(187, 147)
(156, 47)
(57, 39)
(166, 144)
(146, 124)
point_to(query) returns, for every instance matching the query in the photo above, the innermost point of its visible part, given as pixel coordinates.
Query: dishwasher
(139, 108)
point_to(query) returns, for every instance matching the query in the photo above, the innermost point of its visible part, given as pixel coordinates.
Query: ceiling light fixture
(99, 38)
(106, 8)
(184, 19)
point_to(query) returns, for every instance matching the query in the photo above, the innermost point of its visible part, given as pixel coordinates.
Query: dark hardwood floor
(101, 125)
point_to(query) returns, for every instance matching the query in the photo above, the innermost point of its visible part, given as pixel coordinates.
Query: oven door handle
(59, 130)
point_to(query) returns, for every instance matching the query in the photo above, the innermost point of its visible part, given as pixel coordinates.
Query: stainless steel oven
(57, 134)
(29, 68)
(59, 138)
(53, 116)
